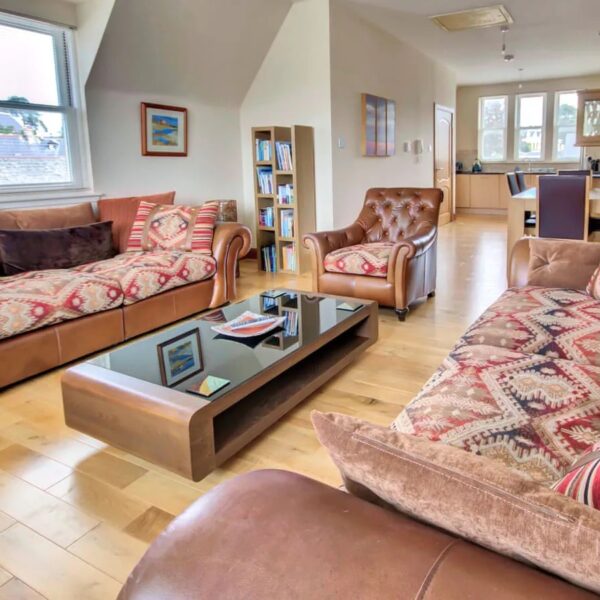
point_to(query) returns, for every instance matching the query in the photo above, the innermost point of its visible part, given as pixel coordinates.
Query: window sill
(48, 198)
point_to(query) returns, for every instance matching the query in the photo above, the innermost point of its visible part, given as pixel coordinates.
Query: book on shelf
(265, 179)
(286, 220)
(263, 150)
(291, 323)
(266, 217)
(288, 257)
(268, 255)
(283, 151)
(285, 192)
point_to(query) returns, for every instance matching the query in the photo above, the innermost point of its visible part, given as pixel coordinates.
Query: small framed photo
(180, 358)
(164, 130)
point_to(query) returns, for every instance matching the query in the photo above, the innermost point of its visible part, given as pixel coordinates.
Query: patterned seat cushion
(39, 298)
(535, 413)
(363, 259)
(551, 322)
(144, 274)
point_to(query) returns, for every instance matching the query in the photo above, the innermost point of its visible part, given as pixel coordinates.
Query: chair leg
(431, 294)
(402, 312)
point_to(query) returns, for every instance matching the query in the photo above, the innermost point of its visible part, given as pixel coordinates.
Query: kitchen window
(530, 122)
(40, 118)
(492, 121)
(565, 128)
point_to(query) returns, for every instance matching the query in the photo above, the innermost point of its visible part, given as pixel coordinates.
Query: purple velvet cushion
(23, 250)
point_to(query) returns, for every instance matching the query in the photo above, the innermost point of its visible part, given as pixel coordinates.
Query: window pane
(530, 144)
(33, 148)
(492, 144)
(567, 109)
(531, 111)
(565, 144)
(493, 113)
(27, 66)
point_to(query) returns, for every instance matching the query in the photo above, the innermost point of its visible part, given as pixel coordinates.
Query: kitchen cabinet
(485, 192)
(463, 191)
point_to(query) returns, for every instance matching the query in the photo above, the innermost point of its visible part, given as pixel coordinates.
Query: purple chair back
(521, 180)
(513, 184)
(562, 207)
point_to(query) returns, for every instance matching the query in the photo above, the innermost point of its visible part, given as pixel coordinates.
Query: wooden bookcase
(302, 209)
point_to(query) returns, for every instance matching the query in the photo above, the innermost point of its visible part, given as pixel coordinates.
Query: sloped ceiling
(208, 49)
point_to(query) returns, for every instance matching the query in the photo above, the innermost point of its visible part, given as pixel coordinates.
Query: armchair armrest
(231, 241)
(410, 247)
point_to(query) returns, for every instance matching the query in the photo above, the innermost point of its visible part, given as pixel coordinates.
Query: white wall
(292, 87)
(364, 58)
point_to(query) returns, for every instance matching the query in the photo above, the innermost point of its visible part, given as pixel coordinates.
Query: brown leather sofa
(275, 534)
(403, 222)
(34, 352)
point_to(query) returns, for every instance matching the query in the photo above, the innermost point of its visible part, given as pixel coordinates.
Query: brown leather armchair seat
(388, 254)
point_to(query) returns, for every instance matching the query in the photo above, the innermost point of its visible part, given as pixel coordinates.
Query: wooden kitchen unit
(482, 192)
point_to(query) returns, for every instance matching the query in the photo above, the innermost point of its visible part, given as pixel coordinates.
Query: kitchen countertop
(594, 175)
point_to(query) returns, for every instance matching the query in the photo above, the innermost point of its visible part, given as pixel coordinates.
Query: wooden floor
(76, 515)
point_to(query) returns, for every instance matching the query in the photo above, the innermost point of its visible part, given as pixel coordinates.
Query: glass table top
(182, 356)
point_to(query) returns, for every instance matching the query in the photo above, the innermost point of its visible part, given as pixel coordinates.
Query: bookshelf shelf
(284, 170)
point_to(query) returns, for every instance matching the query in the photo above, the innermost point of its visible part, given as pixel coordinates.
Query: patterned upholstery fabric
(582, 482)
(534, 413)
(593, 286)
(177, 227)
(144, 274)
(363, 259)
(552, 322)
(32, 300)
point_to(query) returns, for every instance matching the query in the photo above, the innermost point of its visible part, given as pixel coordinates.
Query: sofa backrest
(122, 211)
(392, 214)
(48, 218)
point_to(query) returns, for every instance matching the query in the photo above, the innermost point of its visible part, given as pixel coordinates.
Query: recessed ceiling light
(476, 18)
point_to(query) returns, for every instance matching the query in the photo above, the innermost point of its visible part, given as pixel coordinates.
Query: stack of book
(265, 179)
(268, 254)
(284, 156)
(263, 150)
(287, 223)
(265, 217)
(291, 323)
(288, 257)
(286, 193)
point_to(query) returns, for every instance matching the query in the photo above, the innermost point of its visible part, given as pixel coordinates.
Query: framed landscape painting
(180, 357)
(164, 130)
(378, 126)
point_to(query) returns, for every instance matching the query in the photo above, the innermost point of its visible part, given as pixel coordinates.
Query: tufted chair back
(392, 214)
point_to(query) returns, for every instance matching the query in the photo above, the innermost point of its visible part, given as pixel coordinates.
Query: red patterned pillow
(177, 227)
(593, 286)
(582, 481)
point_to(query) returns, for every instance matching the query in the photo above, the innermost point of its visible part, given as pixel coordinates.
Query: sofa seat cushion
(39, 298)
(534, 413)
(144, 274)
(362, 259)
(552, 322)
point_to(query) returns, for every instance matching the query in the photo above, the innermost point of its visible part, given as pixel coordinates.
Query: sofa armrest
(518, 264)
(231, 241)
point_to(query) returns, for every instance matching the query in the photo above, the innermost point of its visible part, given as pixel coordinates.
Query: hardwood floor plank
(111, 469)
(149, 524)
(50, 570)
(5, 521)
(32, 467)
(15, 589)
(5, 576)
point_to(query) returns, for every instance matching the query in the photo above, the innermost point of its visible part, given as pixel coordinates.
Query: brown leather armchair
(388, 254)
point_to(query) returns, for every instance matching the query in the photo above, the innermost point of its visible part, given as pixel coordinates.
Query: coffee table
(126, 399)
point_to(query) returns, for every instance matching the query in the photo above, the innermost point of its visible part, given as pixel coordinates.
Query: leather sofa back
(48, 218)
(392, 214)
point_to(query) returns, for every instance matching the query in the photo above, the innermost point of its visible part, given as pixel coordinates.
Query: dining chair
(521, 180)
(563, 207)
(513, 184)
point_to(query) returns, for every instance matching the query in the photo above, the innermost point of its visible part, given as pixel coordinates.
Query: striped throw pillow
(176, 227)
(582, 481)
(593, 286)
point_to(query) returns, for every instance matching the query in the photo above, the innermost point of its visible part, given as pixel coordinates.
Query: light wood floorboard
(76, 514)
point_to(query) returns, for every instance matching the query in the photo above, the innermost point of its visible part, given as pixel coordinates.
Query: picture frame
(164, 130)
(378, 126)
(180, 358)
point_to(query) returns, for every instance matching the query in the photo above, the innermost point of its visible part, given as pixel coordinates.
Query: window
(530, 120)
(492, 128)
(565, 127)
(39, 116)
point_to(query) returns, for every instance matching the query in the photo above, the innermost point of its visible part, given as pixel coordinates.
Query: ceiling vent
(476, 18)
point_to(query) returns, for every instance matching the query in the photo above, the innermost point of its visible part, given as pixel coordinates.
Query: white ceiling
(550, 38)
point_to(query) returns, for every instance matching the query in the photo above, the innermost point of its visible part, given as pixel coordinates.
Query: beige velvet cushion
(471, 496)
(562, 263)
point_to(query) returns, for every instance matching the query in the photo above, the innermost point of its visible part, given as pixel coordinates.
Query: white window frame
(518, 129)
(481, 129)
(69, 105)
(555, 130)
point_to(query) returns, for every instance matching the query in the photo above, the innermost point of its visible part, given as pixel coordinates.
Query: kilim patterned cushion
(582, 481)
(144, 274)
(177, 227)
(534, 413)
(552, 322)
(39, 298)
(363, 259)
(593, 286)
